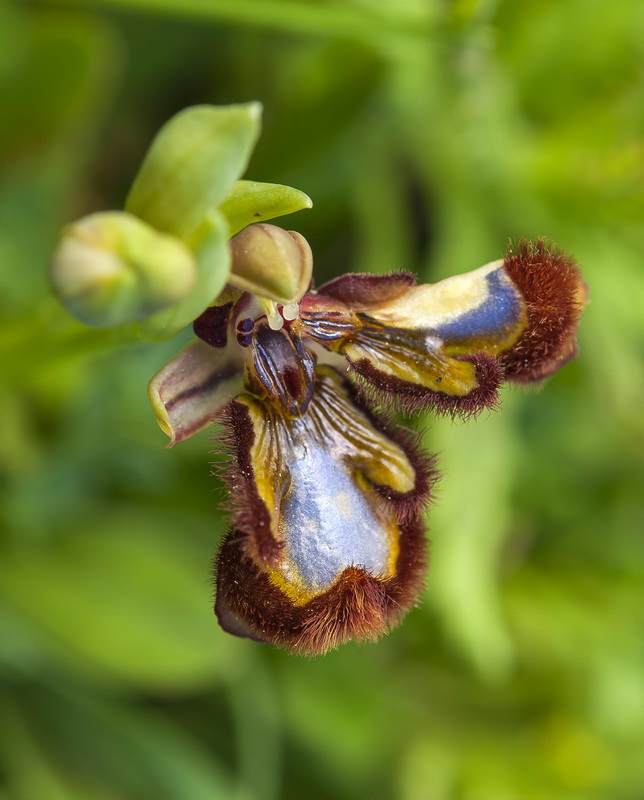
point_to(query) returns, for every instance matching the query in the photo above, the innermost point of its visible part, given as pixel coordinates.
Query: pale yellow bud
(111, 268)
(271, 262)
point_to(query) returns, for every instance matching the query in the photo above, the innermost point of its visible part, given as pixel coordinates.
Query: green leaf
(480, 464)
(192, 164)
(29, 772)
(56, 68)
(210, 245)
(250, 201)
(110, 749)
(127, 604)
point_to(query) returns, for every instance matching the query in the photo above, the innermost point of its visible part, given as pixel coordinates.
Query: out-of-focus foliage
(427, 132)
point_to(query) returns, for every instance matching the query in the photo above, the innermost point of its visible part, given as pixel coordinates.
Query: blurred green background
(428, 133)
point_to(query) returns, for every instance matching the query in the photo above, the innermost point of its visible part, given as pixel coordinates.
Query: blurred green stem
(337, 20)
(50, 336)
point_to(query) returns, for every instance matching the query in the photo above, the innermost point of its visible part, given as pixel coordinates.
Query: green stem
(334, 20)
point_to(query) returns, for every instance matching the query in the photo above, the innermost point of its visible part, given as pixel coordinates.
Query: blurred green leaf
(348, 20)
(29, 773)
(113, 750)
(480, 461)
(59, 62)
(128, 605)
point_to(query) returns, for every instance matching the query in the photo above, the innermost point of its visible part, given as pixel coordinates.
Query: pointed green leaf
(250, 201)
(192, 164)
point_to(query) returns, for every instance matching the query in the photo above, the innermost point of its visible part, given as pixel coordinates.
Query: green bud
(210, 247)
(111, 268)
(251, 201)
(192, 164)
(271, 262)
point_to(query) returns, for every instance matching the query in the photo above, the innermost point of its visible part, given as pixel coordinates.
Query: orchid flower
(327, 493)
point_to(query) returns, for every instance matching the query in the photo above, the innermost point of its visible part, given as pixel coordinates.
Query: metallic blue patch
(327, 521)
(500, 309)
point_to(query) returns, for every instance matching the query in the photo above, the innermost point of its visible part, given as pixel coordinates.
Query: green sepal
(191, 165)
(210, 247)
(251, 201)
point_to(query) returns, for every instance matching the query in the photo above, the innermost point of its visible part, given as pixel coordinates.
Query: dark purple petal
(212, 326)
(362, 291)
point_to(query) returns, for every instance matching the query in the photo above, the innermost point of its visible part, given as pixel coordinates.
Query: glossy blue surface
(500, 309)
(328, 522)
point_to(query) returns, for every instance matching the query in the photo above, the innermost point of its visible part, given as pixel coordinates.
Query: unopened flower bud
(192, 164)
(271, 262)
(111, 268)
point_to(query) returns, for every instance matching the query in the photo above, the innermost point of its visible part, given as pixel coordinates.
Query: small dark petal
(362, 291)
(211, 326)
(554, 294)
(327, 328)
(377, 386)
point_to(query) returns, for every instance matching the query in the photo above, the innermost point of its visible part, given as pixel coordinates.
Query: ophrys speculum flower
(327, 492)
(327, 540)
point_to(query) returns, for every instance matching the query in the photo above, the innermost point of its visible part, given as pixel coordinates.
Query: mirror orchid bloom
(327, 492)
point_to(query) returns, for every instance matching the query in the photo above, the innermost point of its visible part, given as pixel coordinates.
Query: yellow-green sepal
(210, 247)
(252, 201)
(192, 164)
